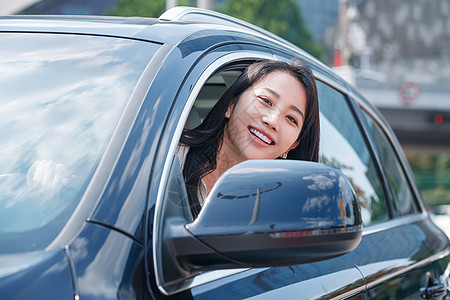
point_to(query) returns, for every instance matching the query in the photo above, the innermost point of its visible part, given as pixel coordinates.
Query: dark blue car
(93, 203)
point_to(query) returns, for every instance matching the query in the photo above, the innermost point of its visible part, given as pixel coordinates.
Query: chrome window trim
(221, 274)
(326, 80)
(417, 265)
(213, 67)
(395, 222)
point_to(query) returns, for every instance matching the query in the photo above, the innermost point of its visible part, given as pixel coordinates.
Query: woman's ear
(229, 110)
(228, 113)
(294, 145)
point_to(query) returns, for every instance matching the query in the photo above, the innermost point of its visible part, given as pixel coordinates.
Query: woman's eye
(265, 100)
(292, 119)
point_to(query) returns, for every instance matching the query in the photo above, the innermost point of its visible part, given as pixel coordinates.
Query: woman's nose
(271, 119)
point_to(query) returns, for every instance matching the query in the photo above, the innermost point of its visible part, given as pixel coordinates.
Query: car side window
(342, 146)
(400, 192)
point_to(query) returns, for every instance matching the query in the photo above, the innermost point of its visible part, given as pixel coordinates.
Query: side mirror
(261, 213)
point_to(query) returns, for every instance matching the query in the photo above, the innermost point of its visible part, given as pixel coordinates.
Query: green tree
(142, 8)
(432, 174)
(281, 17)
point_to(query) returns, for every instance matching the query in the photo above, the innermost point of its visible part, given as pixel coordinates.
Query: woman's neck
(225, 159)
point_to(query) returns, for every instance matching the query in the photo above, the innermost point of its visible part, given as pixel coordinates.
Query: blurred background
(396, 53)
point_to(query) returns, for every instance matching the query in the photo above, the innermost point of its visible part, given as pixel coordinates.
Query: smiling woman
(271, 111)
(266, 121)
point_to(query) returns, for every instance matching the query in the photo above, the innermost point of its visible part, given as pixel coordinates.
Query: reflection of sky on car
(61, 98)
(331, 141)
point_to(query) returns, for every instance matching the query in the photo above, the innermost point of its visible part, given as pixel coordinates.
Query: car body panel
(395, 259)
(105, 263)
(27, 275)
(308, 281)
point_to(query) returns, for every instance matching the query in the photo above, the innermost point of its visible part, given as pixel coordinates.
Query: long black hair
(206, 139)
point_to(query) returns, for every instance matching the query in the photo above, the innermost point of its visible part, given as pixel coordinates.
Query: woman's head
(266, 121)
(249, 109)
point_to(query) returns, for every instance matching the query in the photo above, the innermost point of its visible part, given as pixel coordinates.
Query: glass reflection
(403, 200)
(61, 97)
(343, 147)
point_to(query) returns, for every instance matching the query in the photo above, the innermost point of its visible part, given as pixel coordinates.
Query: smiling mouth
(258, 134)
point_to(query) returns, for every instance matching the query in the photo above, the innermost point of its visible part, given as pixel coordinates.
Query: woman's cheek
(237, 132)
(292, 136)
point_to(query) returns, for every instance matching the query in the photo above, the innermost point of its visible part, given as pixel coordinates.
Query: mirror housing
(259, 213)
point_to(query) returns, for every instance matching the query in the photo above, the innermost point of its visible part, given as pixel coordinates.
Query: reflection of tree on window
(370, 202)
(343, 147)
(362, 199)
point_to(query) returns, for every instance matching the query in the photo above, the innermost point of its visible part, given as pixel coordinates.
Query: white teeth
(261, 136)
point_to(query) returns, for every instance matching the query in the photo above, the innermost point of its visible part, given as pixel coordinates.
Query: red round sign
(409, 92)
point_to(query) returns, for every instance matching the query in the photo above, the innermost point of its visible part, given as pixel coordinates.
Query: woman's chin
(254, 155)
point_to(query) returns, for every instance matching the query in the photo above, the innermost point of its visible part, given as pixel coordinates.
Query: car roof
(180, 22)
(173, 27)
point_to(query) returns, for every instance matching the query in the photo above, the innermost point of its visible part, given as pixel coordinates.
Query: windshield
(60, 99)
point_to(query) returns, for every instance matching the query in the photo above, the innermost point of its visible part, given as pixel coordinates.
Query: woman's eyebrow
(296, 109)
(272, 92)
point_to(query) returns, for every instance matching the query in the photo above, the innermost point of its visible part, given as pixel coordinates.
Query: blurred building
(396, 54)
(406, 39)
(11, 7)
(319, 15)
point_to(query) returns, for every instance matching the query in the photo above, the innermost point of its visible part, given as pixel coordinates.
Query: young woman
(270, 112)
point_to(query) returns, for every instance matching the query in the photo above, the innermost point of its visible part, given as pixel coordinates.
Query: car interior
(208, 96)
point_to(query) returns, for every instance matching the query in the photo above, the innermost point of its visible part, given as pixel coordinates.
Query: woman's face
(267, 119)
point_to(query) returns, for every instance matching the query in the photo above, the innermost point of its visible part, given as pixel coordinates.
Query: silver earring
(284, 156)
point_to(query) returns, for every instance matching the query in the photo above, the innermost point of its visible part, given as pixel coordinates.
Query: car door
(336, 277)
(405, 257)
